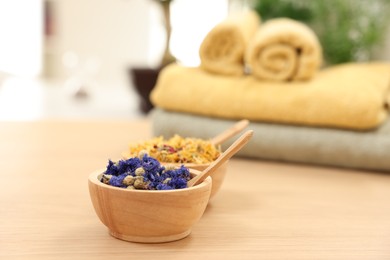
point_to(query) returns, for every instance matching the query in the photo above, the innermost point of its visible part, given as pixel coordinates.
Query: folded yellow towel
(346, 96)
(222, 50)
(284, 49)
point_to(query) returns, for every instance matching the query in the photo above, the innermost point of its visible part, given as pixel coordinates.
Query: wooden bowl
(148, 216)
(217, 177)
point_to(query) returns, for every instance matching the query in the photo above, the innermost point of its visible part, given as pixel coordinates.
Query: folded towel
(346, 96)
(284, 49)
(321, 146)
(222, 50)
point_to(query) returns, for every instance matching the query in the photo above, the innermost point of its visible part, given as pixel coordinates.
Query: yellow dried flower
(106, 178)
(139, 171)
(128, 180)
(139, 183)
(177, 150)
(167, 180)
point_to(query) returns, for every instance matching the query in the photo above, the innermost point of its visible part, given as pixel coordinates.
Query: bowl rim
(188, 165)
(94, 178)
(126, 156)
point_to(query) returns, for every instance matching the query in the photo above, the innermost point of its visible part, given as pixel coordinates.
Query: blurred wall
(108, 35)
(20, 37)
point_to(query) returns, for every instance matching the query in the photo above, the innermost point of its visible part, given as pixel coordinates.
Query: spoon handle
(233, 149)
(228, 133)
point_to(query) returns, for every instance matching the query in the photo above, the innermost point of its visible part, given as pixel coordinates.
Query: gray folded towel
(323, 146)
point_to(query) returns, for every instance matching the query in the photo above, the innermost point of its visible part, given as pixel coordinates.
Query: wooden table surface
(265, 210)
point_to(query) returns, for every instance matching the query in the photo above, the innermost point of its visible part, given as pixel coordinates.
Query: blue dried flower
(163, 186)
(111, 169)
(123, 166)
(129, 165)
(181, 172)
(155, 175)
(178, 183)
(150, 164)
(117, 181)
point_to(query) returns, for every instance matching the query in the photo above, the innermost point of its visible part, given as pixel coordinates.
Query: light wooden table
(265, 210)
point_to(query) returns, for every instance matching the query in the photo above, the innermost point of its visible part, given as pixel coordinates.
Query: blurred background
(81, 58)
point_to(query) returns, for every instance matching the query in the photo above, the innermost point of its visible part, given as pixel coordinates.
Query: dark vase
(144, 80)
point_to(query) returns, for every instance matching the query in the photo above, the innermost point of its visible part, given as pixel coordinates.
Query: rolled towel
(352, 95)
(284, 49)
(222, 50)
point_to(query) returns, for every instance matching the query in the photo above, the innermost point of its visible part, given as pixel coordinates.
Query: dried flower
(128, 180)
(177, 149)
(106, 178)
(145, 172)
(117, 181)
(139, 171)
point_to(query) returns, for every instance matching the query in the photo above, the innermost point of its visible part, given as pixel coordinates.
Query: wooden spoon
(230, 132)
(233, 149)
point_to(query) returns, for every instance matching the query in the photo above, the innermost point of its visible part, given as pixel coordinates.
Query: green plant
(349, 30)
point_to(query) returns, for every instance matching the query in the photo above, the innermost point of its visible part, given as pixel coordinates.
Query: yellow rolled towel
(284, 49)
(222, 50)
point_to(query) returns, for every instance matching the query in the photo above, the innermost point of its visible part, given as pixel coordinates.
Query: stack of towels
(271, 74)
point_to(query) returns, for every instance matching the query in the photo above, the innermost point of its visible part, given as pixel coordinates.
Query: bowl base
(158, 239)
